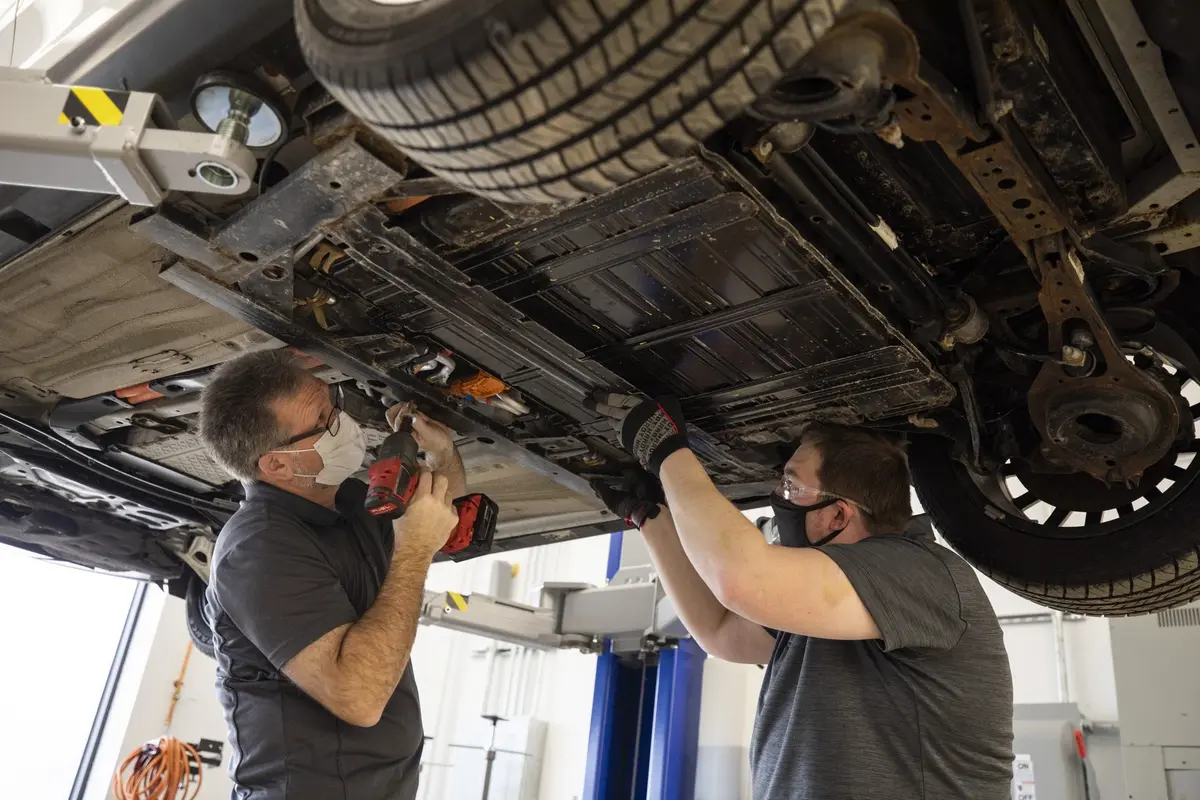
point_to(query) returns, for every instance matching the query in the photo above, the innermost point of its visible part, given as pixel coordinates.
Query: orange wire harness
(161, 769)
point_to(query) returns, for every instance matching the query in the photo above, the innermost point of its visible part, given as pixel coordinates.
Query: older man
(314, 603)
(886, 670)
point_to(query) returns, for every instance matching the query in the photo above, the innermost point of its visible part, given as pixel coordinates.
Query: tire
(545, 101)
(197, 618)
(1144, 560)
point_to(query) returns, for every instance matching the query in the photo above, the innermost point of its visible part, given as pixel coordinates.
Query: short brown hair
(237, 415)
(867, 467)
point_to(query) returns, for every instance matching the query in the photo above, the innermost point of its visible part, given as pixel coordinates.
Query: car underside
(968, 223)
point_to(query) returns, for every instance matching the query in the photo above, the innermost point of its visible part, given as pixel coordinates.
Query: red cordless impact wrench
(393, 480)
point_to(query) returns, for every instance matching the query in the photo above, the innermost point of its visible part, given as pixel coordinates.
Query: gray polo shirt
(285, 572)
(925, 713)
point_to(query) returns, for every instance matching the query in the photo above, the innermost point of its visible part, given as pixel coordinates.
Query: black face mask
(789, 521)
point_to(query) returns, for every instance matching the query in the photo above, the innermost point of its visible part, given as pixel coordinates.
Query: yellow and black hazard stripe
(457, 600)
(93, 106)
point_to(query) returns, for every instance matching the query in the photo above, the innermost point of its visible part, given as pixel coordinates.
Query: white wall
(197, 715)
(555, 687)
(728, 701)
(1031, 656)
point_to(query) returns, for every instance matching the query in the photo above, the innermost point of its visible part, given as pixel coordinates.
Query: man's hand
(635, 497)
(435, 439)
(430, 517)
(650, 430)
(398, 412)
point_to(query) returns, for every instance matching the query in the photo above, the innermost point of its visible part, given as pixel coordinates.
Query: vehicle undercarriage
(968, 223)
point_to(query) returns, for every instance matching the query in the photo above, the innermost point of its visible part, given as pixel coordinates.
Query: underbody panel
(88, 313)
(686, 282)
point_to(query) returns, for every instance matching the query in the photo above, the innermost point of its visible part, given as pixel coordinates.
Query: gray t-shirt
(923, 714)
(285, 572)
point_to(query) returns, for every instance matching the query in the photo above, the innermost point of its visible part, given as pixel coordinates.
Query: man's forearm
(695, 603)
(715, 536)
(375, 650)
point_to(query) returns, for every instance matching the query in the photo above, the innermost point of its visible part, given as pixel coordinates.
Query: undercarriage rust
(1105, 417)
(1095, 411)
(1006, 178)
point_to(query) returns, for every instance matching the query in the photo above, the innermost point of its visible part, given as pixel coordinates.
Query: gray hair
(237, 423)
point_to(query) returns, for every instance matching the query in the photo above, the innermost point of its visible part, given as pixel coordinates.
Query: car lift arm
(632, 613)
(111, 142)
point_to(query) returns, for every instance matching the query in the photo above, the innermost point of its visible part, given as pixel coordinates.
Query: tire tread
(595, 93)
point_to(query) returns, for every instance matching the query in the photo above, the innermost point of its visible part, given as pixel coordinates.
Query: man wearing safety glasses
(886, 671)
(313, 602)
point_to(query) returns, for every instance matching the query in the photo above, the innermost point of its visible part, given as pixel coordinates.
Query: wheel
(197, 618)
(1068, 541)
(553, 100)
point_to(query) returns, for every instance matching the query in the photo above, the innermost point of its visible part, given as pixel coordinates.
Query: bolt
(762, 150)
(1073, 356)
(78, 125)
(1007, 51)
(236, 126)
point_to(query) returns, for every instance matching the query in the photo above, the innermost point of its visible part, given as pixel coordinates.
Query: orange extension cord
(161, 769)
(158, 770)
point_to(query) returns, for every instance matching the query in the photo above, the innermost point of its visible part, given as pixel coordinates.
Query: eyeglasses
(801, 495)
(331, 426)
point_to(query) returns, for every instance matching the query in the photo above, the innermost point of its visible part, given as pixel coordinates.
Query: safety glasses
(800, 495)
(331, 426)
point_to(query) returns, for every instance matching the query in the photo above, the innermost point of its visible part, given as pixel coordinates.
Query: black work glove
(636, 496)
(650, 430)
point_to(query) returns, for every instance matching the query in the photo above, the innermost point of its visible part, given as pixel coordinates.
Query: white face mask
(342, 453)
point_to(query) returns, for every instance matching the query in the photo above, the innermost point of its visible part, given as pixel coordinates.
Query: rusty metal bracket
(1000, 169)
(1023, 202)
(1105, 417)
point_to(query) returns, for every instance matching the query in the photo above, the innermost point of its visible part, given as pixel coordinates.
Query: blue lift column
(676, 735)
(645, 720)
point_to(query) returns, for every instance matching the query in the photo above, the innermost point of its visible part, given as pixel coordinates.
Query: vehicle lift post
(645, 718)
(645, 724)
